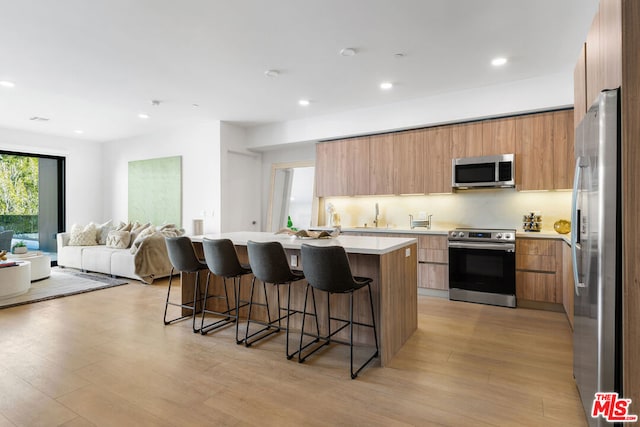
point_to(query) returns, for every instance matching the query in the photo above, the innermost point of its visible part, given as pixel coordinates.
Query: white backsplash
(490, 208)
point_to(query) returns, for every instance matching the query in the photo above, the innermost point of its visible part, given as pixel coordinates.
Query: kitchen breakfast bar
(390, 261)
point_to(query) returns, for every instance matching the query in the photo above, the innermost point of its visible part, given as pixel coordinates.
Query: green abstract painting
(155, 191)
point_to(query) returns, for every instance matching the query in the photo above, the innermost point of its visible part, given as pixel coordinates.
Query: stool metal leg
(196, 299)
(375, 334)
(268, 325)
(204, 329)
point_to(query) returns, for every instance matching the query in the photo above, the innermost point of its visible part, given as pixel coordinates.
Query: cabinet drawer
(433, 249)
(545, 263)
(526, 246)
(534, 286)
(433, 276)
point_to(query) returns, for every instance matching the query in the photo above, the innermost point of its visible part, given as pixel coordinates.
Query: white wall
(240, 174)
(83, 178)
(199, 145)
(522, 96)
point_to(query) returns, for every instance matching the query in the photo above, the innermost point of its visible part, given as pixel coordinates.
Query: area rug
(62, 283)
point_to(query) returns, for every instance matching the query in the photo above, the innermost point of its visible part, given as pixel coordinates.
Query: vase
(20, 250)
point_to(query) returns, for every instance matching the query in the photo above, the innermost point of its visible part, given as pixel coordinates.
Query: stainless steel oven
(482, 266)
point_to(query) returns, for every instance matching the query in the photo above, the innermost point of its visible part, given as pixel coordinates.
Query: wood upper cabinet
(499, 136)
(466, 140)
(534, 152)
(381, 165)
(545, 151)
(563, 149)
(599, 65)
(594, 66)
(331, 169)
(437, 178)
(580, 86)
(342, 167)
(358, 158)
(409, 152)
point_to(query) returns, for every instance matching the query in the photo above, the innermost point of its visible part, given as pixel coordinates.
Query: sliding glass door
(32, 199)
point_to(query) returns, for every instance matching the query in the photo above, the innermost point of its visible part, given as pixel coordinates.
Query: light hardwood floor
(105, 358)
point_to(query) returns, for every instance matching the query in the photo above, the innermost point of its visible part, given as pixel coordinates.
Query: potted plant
(19, 248)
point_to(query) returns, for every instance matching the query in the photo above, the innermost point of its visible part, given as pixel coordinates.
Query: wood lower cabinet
(539, 270)
(433, 262)
(433, 257)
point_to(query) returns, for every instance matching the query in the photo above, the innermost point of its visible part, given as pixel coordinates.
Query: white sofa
(103, 259)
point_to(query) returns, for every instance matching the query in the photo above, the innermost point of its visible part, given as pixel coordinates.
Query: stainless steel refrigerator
(596, 244)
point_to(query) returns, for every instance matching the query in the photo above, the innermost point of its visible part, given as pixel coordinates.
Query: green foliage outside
(18, 192)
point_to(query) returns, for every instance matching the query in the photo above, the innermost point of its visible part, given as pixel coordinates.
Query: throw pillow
(123, 227)
(83, 236)
(102, 230)
(118, 239)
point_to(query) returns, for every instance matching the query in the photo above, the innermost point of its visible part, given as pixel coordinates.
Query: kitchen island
(390, 261)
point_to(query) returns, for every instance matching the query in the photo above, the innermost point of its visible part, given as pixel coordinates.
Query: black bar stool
(183, 259)
(269, 264)
(327, 269)
(222, 259)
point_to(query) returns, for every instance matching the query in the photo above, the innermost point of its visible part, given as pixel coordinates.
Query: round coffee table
(15, 280)
(40, 263)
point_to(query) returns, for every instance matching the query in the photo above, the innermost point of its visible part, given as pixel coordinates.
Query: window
(32, 198)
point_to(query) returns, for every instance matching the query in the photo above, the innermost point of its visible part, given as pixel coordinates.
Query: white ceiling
(95, 64)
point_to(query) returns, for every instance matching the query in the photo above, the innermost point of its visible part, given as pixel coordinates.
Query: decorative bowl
(562, 226)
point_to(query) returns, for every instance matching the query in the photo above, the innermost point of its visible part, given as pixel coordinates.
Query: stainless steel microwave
(486, 171)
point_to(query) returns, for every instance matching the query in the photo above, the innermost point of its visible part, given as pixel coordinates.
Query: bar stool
(269, 264)
(183, 259)
(222, 259)
(327, 269)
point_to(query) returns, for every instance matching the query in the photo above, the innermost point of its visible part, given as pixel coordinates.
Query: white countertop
(397, 230)
(544, 234)
(372, 245)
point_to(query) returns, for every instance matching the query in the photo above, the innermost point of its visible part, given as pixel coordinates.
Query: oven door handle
(505, 247)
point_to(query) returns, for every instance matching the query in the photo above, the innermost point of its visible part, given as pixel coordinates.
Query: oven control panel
(482, 235)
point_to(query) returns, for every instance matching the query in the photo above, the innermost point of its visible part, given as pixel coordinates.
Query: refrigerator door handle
(575, 232)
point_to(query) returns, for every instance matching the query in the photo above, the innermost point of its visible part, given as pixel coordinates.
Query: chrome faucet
(375, 221)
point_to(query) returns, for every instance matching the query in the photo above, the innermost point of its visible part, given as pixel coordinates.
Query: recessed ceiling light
(5, 83)
(386, 85)
(272, 73)
(38, 119)
(348, 51)
(399, 55)
(79, 131)
(195, 105)
(304, 102)
(497, 62)
(143, 116)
